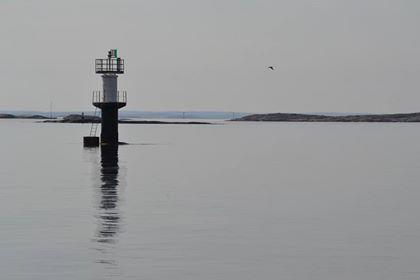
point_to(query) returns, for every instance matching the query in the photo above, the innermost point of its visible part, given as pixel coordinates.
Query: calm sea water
(236, 201)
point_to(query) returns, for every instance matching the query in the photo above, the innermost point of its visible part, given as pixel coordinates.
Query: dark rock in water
(283, 117)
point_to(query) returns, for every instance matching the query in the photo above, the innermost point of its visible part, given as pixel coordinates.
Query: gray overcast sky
(331, 55)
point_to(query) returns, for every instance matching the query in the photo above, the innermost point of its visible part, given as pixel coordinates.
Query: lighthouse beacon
(110, 99)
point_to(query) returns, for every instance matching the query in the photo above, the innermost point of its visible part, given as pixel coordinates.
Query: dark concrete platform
(90, 141)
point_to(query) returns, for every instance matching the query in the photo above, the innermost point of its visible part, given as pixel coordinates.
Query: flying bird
(272, 68)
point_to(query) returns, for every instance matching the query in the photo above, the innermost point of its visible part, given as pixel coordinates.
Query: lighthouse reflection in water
(108, 215)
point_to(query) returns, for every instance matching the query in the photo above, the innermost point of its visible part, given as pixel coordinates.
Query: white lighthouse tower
(109, 100)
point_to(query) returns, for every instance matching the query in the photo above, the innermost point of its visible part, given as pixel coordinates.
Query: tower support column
(109, 125)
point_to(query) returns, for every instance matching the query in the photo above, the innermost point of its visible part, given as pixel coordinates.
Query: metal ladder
(94, 126)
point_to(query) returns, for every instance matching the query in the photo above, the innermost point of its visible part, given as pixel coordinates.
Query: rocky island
(76, 118)
(285, 117)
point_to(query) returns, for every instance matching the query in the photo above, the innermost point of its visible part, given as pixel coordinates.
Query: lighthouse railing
(100, 97)
(109, 65)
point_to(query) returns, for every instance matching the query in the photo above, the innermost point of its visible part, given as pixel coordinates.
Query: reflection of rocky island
(89, 119)
(284, 117)
(10, 116)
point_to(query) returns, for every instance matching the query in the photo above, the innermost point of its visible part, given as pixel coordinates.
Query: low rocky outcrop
(284, 117)
(76, 118)
(94, 119)
(80, 119)
(160, 122)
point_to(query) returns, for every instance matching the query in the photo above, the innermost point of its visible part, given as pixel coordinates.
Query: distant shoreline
(272, 117)
(34, 117)
(92, 119)
(75, 118)
(286, 117)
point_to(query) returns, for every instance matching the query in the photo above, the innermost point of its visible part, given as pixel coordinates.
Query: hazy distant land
(201, 115)
(12, 116)
(126, 117)
(273, 117)
(285, 117)
(78, 118)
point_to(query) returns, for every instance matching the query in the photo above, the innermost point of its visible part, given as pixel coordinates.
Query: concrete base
(90, 141)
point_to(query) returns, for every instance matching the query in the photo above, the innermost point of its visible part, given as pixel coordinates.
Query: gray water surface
(236, 201)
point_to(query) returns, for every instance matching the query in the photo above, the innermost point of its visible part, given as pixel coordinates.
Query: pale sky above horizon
(331, 55)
